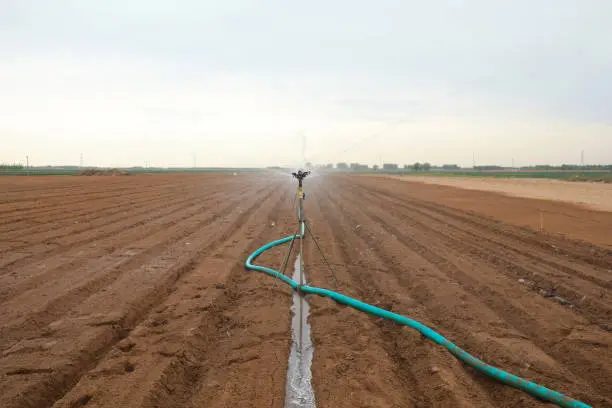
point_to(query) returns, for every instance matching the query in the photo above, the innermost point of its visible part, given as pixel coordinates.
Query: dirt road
(131, 292)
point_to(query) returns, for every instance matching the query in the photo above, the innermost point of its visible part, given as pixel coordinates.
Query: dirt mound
(99, 172)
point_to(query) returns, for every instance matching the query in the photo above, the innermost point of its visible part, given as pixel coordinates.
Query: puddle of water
(299, 392)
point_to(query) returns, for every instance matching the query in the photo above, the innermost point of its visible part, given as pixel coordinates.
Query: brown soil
(577, 210)
(131, 292)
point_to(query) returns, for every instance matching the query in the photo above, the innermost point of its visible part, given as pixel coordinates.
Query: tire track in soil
(167, 357)
(90, 331)
(507, 309)
(23, 318)
(433, 377)
(586, 295)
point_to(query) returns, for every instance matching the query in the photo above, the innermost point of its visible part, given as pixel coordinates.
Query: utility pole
(474, 160)
(582, 158)
(81, 160)
(194, 161)
(27, 165)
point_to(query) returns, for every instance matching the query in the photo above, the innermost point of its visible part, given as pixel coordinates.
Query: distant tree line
(572, 167)
(418, 166)
(488, 168)
(5, 166)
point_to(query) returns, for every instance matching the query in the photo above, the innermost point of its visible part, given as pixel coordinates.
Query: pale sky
(236, 82)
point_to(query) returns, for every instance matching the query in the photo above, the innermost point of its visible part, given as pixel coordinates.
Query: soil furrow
(131, 292)
(98, 326)
(236, 339)
(554, 245)
(520, 318)
(27, 211)
(58, 216)
(61, 198)
(583, 297)
(50, 240)
(19, 323)
(332, 338)
(48, 233)
(83, 235)
(72, 242)
(433, 370)
(517, 246)
(166, 351)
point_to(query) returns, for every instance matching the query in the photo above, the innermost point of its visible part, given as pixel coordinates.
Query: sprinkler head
(301, 175)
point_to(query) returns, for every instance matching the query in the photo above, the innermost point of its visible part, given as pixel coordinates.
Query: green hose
(517, 382)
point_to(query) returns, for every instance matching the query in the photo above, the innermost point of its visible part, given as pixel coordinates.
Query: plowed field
(131, 292)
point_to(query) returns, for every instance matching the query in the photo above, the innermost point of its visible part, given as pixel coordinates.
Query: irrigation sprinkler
(300, 175)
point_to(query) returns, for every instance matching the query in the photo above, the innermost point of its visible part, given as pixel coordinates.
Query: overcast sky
(235, 82)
